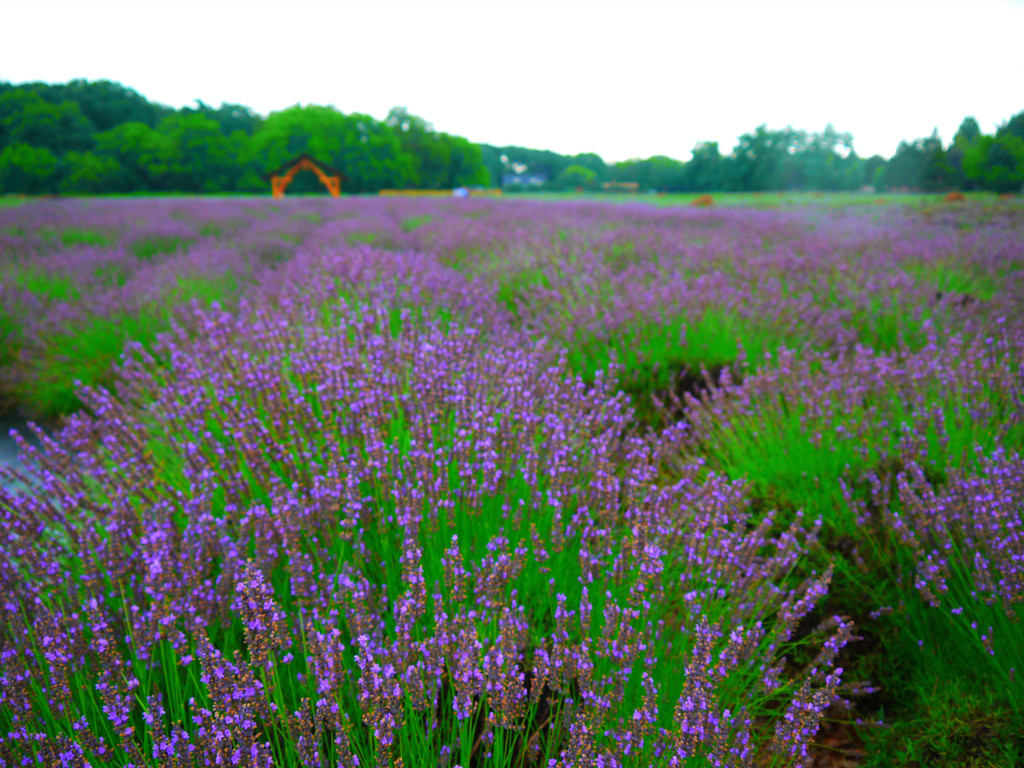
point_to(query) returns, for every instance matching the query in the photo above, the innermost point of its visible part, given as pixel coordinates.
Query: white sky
(623, 79)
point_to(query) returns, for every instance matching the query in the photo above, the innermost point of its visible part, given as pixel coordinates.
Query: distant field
(529, 481)
(781, 199)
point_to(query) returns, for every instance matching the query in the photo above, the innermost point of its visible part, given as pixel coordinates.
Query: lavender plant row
(659, 289)
(383, 500)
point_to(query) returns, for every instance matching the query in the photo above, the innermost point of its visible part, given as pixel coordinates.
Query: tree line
(100, 137)
(788, 159)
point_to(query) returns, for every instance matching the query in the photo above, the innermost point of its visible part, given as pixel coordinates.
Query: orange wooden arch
(282, 177)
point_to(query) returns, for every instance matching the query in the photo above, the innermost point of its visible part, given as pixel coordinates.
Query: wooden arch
(282, 177)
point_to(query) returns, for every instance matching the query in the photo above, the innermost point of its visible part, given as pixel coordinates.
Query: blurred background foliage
(104, 138)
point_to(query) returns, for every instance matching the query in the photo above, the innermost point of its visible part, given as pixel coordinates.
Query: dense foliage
(506, 483)
(100, 137)
(103, 138)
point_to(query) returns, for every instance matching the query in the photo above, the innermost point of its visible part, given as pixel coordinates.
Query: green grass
(112, 274)
(412, 223)
(10, 338)
(67, 236)
(655, 356)
(934, 575)
(922, 201)
(794, 448)
(914, 651)
(363, 238)
(950, 720)
(513, 288)
(150, 246)
(86, 352)
(74, 236)
(885, 323)
(41, 282)
(219, 229)
(82, 356)
(48, 286)
(888, 320)
(959, 278)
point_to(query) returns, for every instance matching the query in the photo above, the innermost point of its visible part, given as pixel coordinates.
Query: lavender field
(466, 482)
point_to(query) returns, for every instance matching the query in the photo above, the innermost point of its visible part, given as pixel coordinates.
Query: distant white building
(524, 179)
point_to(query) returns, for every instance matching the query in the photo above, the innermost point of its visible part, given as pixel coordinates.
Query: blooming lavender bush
(662, 289)
(796, 428)
(452, 552)
(68, 304)
(962, 550)
(381, 496)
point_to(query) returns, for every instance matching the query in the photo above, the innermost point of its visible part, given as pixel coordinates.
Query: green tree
(230, 117)
(13, 102)
(967, 135)
(58, 127)
(592, 161)
(493, 163)
(465, 164)
(937, 173)
(759, 158)
(666, 174)
(829, 162)
(633, 170)
(367, 151)
(27, 170)
(706, 170)
(906, 168)
(26, 117)
(871, 168)
(138, 151)
(996, 162)
(1014, 127)
(1006, 164)
(195, 155)
(975, 156)
(577, 176)
(658, 172)
(107, 104)
(418, 138)
(442, 161)
(373, 156)
(88, 173)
